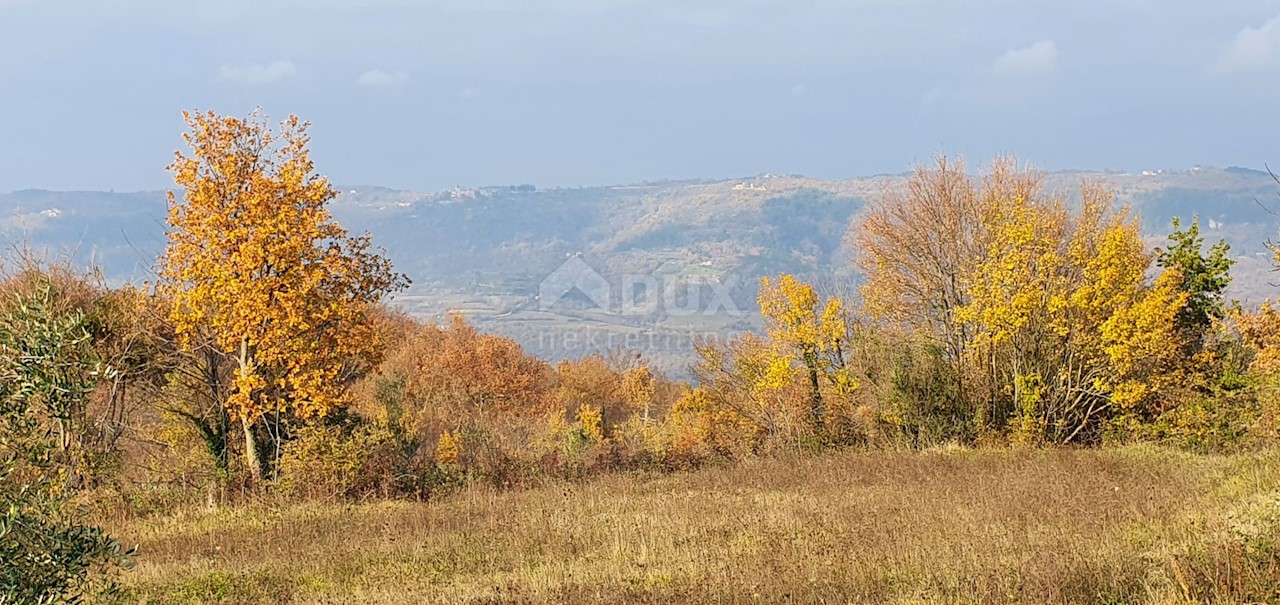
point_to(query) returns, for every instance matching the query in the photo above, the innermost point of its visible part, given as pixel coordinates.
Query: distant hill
(669, 261)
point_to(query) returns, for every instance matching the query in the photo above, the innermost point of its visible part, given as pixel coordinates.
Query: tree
(195, 378)
(1260, 330)
(443, 377)
(590, 382)
(815, 338)
(468, 375)
(705, 424)
(1046, 315)
(1204, 279)
(746, 383)
(917, 249)
(1067, 331)
(256, 264)
(639, 387)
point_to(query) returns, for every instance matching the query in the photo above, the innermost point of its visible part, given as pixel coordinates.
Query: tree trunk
(815, 400)
(251, 458)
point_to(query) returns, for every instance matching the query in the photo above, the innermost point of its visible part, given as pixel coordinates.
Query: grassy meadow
(1128, 525)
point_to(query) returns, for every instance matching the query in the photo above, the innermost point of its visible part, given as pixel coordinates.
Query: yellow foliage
(805, 332)
(1050, 300)
(790, 308)
(590, 381)
(639, 387)
(1064, 299)
(1261, 330)
(701, 422)
(591, 419)
(750, 377)
(256, 261)
(448, 448)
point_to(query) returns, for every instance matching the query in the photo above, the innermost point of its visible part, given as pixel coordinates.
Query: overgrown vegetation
(265, 368)
(47, 366)
(1131, 525)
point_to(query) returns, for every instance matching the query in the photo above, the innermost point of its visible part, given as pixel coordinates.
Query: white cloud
(799, 90)
(376, 78)
(1038, 59)
(254, 73)
(469, 92)
(1255, 48)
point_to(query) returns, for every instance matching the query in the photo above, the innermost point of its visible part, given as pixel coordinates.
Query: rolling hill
(650, 266)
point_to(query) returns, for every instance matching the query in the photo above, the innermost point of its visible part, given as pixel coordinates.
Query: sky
(429, 95)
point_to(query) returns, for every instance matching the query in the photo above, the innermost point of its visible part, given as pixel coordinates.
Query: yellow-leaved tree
(745, 382)
(1047, 315)
(803, 328)
(1067, 330)
(257, 264)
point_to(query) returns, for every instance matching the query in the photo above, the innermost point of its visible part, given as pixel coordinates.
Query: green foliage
(1204, 278)
(46, 371)
(47, 366)
(49, 553)
(922, 407)
(349, 462)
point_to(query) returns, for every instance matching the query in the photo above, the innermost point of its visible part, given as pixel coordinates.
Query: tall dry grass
(961, 526)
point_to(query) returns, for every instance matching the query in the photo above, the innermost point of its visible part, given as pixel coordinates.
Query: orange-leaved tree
(256, 262)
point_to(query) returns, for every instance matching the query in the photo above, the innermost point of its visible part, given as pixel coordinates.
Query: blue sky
(428, 95)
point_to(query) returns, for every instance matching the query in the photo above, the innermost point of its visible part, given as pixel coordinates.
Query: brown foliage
(917, 247)
(481, 389)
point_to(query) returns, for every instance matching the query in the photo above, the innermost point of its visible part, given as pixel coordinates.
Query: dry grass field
(959, 526)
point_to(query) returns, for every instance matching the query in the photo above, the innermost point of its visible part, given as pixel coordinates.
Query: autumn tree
(1260, 330)
(813, 333)
(1046, 314)
(257, 264)
(704, 423)
(470, 374)
(590, 382)
(1067, 331)
(915, 248)
(743, 397)
(442, 377)
(639, 387)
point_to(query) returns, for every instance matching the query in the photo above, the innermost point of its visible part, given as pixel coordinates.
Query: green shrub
(49, 553)
(351, 463)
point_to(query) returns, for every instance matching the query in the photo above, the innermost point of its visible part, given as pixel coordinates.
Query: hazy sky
(427, 95)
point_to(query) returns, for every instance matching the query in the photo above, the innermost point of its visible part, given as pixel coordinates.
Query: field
(953, 526)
